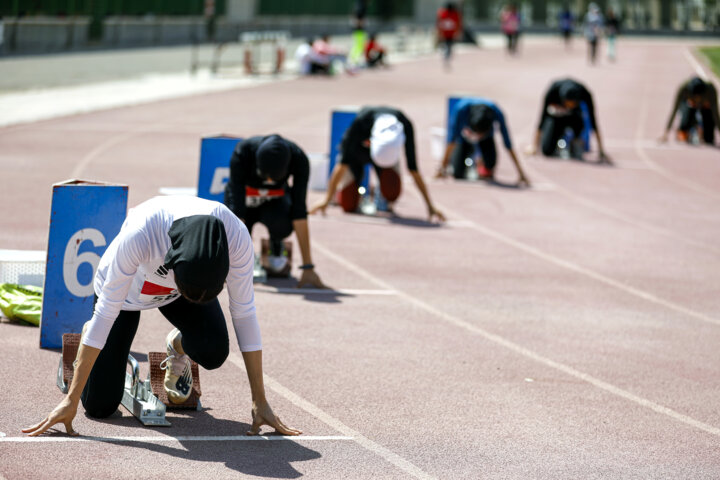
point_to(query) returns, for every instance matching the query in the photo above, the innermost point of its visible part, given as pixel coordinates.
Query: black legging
(275, 215)
(204, 339)
(688, 120)
(465, 149)
(553, 128)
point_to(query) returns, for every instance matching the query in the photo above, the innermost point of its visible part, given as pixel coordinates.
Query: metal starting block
(138, 396)
(265, 252)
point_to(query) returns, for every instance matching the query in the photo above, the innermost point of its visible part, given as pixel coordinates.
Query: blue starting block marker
(340, 120)
(451, 102)
(215, 154)
(84, 218)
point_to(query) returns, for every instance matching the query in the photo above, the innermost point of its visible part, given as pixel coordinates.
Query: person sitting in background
(311, 62)
(322, 46)
(374, 53)
(694, 97)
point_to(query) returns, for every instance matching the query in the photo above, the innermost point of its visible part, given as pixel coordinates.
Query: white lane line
(695, 64)
(100, 149)
(587, 272)
(625, 218)
(525, 352)
(333, 422)
(190, 438)
(654, 166)
(321, 291)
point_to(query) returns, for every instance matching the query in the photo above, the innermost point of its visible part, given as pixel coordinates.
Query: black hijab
(198, 256)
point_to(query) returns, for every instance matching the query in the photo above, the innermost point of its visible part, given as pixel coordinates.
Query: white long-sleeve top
(131, 274)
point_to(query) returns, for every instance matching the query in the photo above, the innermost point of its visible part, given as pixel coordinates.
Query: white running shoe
(178, 375)
(277, 263)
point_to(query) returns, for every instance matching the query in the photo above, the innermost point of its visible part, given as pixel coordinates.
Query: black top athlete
(258, 191)
(695, 96)
(562, 109)
(376, 136)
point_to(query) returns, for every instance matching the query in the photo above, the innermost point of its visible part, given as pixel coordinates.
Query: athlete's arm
(67, 409)
(338, 173)
(261, 412)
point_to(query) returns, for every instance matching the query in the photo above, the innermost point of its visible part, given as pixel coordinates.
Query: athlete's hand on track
(434, 212)
(308, 278)
(531, 150)
(262, 414)
(663, 138)
(523, 182)
(64, 413)
(320, 206)
(440, 173)
(604, 159)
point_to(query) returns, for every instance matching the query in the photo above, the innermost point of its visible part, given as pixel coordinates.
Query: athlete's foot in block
(178, 374)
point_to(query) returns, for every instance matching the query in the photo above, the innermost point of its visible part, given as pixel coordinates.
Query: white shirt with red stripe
(131, 274)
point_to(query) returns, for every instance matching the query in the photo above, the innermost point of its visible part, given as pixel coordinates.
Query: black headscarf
(199, 255)
(273, 158)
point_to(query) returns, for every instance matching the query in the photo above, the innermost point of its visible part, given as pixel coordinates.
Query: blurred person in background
(612, 29)
(310, 62)
(593, 25)
(472, 122)
(695, 98)
(374, 53)
(566, 22)
(322, 46)
(510, 25)
(568, 108)
(449, 28)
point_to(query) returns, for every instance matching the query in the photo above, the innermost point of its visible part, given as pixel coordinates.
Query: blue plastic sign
(340, 120)
(84, 218)
(451, 102)
(215, 154)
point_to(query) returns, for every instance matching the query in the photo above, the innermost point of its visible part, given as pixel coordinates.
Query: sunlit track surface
(565, 331)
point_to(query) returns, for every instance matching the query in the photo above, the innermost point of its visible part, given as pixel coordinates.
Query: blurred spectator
(323, 47)
(510, 25)
(310, 61)
(594, 23)
(448, 24)
(374, 53)
(612, 28)
(359, 35)
(695, 98)
(566, 22)
(2, 35)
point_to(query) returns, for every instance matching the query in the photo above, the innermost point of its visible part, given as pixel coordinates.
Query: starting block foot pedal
(137, 395)
(70, 346)
(157, 379)
(265, 259)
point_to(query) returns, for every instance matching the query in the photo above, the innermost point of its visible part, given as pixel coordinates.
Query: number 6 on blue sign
(84, 218)
(72, 261)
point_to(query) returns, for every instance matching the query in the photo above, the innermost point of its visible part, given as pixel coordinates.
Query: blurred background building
(60, 25)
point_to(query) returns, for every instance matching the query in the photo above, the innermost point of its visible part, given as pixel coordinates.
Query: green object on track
(21, 302)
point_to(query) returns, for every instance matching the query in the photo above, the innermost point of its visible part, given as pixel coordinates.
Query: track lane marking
(188, 438)
(317, 412)
(322, 291)
(525, 352)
